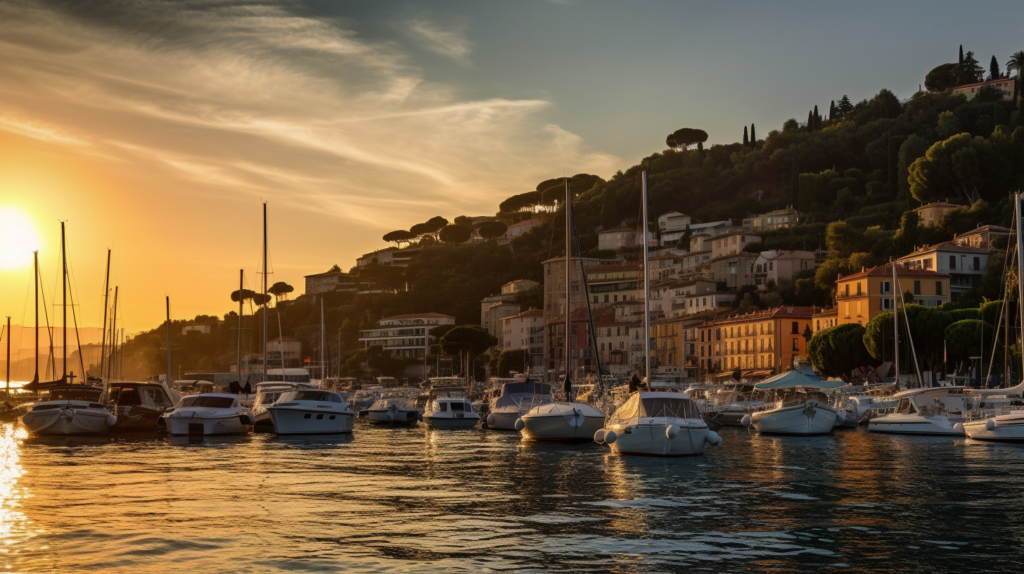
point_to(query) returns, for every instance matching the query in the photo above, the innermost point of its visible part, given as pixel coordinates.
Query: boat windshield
(319, 396)
(457, 407)
(209, 402)
(682, 408)
(70, 394)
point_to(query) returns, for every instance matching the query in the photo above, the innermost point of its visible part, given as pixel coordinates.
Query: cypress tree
(993, 68)
(753, 136)
(746, 141)
(810, 121)
(961, 63)
(817, 118)
(832, 110)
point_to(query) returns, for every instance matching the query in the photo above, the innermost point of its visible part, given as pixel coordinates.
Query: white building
(285, 350)
(615, 239)
(773, 219)
(525, 331)
(407, 336)
(731, 243)
(517, 229)
(964, 265)
(1003, 85)
(775, 265)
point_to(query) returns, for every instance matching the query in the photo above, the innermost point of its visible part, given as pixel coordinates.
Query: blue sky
(157, 128)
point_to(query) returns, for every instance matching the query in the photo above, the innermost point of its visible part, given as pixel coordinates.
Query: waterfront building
(494, 308)
(861, 296)
(824, 319)
(965, 265)
(619, 337)
(407, 336)
(765, 341)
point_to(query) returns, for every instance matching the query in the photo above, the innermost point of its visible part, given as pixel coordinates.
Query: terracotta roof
(984, 83)
(430, 315)
(886, 271)
(784, 311)
(938, 204)
(945, 246)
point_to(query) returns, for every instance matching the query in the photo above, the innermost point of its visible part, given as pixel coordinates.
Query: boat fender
(245, 420)
(958, 427)
(520, 425)
(990, 424)
(610, 437)
(671, 431)
(713, 438)
(490, 420)
(599, 436)
(745, 421)
(840, 418)
(111, 419)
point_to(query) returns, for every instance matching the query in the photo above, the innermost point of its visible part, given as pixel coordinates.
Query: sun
(18, 239)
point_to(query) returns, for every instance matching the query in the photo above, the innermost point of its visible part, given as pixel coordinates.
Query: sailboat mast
(567, 385)
(647, 286)
(169, 379)
(113, 336)
(35, 295)
(106, 302)
(241, 309)
(323, 341)
(895, 325)
(1020, 265)
(8, 358)
(264, 290)
(64, 304)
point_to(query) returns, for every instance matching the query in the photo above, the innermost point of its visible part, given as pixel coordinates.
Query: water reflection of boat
(307, 411)
(66, 409)
(208, 414)
(139, 405)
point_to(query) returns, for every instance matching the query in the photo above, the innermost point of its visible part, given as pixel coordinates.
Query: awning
(791, 379)
(764, 373)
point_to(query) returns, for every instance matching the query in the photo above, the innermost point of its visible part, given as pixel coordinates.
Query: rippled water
(414, 500)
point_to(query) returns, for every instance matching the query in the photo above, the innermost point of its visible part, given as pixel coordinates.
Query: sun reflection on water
(13, 524)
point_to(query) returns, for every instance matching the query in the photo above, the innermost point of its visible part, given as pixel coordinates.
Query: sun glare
(18, 239)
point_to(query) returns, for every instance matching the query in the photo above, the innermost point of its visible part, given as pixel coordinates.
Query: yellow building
(765, 341)
(861, 296)
(824, 319)
(667, 348)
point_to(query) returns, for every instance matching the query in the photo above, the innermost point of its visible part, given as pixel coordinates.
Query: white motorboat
(307, 411)
(657, 424)
(999, 428)
(729, 405)
(450, 412)
(516, 399)
(997, 415)
(561, 422)
(267, 393)
(69, 409)
(208, 414)
(931, 411)
(139, 405)
(393, 410)
(798, 406)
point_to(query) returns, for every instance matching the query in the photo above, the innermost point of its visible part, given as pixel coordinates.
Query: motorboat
(139, 405)
(797, 406)
(730, 404)
(515, 400)
(561, 422)
(393, 410)
(68, 409)
(308, 411)
(266, 394)
(450, 412)
(997, 415)
(928, 411)
(657, 424)
(208, 414)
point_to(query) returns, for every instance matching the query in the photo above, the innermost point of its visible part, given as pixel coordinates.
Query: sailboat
(563, 421)
(66, 408)
(655, 423)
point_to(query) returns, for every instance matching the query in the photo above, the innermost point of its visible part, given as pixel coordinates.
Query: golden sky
(158, 130)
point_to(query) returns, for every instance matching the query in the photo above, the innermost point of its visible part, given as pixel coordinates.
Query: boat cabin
(209, 401)
(139, 394)
(71, 393)
(929, 402)
(655, 405)
(311, 395)
(451, 405)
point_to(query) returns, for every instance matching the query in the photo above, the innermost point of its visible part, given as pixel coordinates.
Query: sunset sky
(157, 128)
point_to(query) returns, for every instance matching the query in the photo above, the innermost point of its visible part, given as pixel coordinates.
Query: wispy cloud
(448, 38)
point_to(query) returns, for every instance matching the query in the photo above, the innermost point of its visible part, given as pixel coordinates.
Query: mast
(8, 399)
(241, 309)
(35, 295)
(323, 341)
(264, 290)
(895, 324)
(647, 285)
(567, 385)
(113, 336)
(1020, 260)
(106, 303)
(280, 340)
(64, 305)
(168, 299)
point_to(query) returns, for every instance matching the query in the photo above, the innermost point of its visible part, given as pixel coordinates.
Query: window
(846, 310)
(977, 264)
(885, 304)
(938, 288)
(796, 328)
(858, 287)
(952, 261)
(796, 345)
(917, 287)
(886, 287)
(858, 308)
(847, 289)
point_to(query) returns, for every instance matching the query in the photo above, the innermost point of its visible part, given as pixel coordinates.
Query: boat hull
(651, 439)
(137, 419)
(206, 425)
(503, 419)
(448, 422)
(561, 428)
(913, 424)
(810, 418)
(1006, 428)
(295, 421)
(69, 420)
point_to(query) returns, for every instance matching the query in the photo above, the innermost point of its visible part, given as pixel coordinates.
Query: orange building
(763, 340)
(861, 296)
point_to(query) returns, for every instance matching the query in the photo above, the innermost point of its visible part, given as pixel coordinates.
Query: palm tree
(1016, 62)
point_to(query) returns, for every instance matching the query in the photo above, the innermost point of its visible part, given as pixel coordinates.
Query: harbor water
(415, 500)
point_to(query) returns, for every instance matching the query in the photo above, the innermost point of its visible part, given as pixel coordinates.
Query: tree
(399, 237)
(832, 110)
(960, 62)
(941, 78)
(508, 361)
(280, 290)
(454, 234)
(491, 229)
(837, 351)
(810, 121)
(817, 118)
(686, 137)
(746, 140)
(929, 329)
(960, 165)
(1016, 63)
(844, 106)
(517, 203)
(963, 340)
(244, 295)
(878, 336)
(969, 71)
(993, 69)
(467, 340)
(260, 299)
(753, 136)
